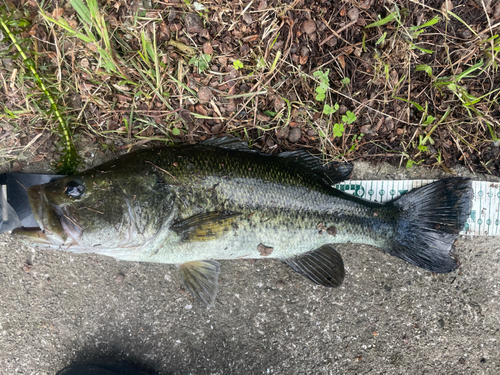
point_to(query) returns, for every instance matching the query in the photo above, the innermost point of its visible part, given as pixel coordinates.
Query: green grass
(93, 75)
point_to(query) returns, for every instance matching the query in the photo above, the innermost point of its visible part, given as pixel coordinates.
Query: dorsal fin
(331, 173)
(228, 142)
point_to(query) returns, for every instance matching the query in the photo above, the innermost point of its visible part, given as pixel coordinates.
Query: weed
(324, 84)
(201, 62)
(329, 110)
(349, 117)
(69, 158)
(237, 64)
(338, 130)
(345, 81)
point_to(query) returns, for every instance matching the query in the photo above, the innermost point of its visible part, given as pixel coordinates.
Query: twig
(336, 33)
(163, 170)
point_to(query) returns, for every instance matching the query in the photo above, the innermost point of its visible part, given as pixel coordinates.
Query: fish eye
(74, 189)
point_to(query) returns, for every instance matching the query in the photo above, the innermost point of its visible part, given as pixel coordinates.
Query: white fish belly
(241, 244)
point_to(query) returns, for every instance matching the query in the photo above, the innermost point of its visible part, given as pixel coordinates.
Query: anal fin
(201, 279)
(323, 266)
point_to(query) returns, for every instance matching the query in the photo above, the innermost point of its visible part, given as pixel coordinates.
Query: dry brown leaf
(207, 48)
(58, 12)
(446, 7)
(37, 159)
(341, 61)
(121, 87)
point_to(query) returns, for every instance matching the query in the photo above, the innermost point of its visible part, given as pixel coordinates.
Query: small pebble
(119, 278)
(366, 129)
(294, 135)
(309, 27)
(193, 23)
(207, 48)
(353, 14)
(283, 132)
(16, 167)
(205, 94)
(216, 128)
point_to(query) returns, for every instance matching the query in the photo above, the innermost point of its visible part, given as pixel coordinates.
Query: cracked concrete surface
(388, 316)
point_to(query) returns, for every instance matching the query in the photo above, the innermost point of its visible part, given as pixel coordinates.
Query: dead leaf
(37, 159)
(121, 87)
(84, 63)
(341, 61)
(27, 267)
(446, 7)
(366, 4)
(58, 12)
(207, 48)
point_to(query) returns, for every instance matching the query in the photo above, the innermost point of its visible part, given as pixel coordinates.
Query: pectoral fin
(202, 279)
(205, 226)
(323, 266)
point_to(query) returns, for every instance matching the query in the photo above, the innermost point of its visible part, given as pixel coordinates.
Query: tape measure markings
(485, 204)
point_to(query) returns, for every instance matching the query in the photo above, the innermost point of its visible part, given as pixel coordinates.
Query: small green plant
(338, 130)
(329, 110)
(421, 143)
(491, 48)
(324, 84)
(410, 35)
(237, 64)
(424, 68)
(345, 81)
(201, 61)
(349, 117)
(410, 163)
(69, 158)
(429, 120)
(355, 141)
(92, 19)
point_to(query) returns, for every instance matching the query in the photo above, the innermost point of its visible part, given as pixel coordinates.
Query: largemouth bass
(194, 204)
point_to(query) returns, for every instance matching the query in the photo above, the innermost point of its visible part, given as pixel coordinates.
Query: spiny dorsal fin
(201, 278)
(331, 173)
(228, 142)
(323, 266)
(204, 226)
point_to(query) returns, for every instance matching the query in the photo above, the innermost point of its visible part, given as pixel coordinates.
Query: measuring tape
(484, 219)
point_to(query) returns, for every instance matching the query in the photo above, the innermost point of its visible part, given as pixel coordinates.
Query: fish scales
(280, 205)
(193, 204)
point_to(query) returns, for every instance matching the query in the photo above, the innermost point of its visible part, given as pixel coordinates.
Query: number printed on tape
(484, 219)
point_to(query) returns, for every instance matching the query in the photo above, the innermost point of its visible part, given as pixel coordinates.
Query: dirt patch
(403, 82)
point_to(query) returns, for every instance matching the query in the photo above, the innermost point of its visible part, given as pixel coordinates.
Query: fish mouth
(57, 225)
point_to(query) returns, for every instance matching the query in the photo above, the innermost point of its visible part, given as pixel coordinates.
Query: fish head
(97, 210)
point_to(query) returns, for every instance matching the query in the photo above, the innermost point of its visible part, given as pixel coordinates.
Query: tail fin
(430, 220)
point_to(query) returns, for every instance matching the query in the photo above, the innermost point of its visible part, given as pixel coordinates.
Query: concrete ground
(388, 316)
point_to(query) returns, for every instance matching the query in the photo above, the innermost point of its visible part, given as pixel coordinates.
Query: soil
(258, 82)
